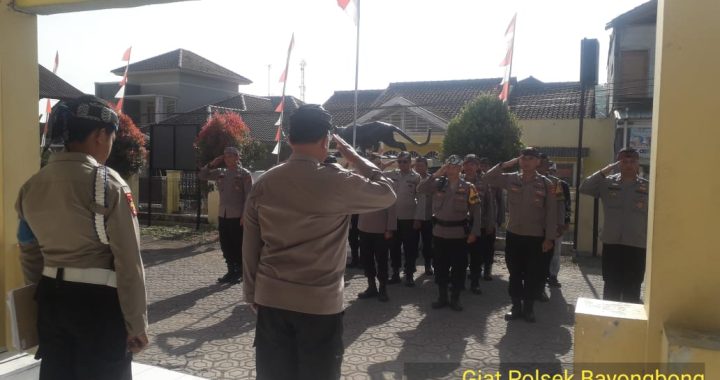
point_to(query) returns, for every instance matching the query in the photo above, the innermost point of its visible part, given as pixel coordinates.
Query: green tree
(486, 128)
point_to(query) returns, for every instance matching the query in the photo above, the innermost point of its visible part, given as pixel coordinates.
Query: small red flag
(126, 55)
(280, 106)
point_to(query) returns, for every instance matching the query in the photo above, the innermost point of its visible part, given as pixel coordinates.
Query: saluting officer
(562, 195)
(405, 181)
(455, 203)
(423, 217)
(233, 183)
(471, 168)
(80, 244)
(376, 231)
(531, 229)
(493, 217)
(625, 205)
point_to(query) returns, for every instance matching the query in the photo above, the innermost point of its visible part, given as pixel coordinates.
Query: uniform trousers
(555, 262)
(231, 238)
(406, 241)
(354, 238)
(450, 261)
(374, 255)
(292, 345)
(81, 332)
(623, 270)
(526, 264)
(482, 252)
(427, 241)
(487, 249)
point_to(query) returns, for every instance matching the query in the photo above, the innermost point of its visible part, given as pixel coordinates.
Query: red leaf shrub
(221, 131)
(128, 153)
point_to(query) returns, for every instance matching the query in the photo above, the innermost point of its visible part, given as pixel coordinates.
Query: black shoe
(409, 281)
(487, 277)
(455, 302)
(553, 282)
(516, 311)
(529, 316)
(442, 298)
(395, 279)
(368, 293)
(429, 271)
(227, 278)
(382, 294)
(543, 297)
(475, 289)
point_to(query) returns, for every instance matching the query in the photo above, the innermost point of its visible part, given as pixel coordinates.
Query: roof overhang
(47, 7)
(399, 101)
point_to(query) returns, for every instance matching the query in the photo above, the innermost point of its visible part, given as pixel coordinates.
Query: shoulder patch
(473, 197)
(131, 203)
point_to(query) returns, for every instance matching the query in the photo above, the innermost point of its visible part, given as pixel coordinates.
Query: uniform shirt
(532, 206)
(625, 206)
(452, 203)
(487, 200)
(423, 211)
(562, 195)
(378, 222)
(58, 205)
(406, 189)
(234, 187)
(296, 228)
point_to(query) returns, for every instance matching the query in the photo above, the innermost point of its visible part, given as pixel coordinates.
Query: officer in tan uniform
(80, 244)
(295, 249)
(531, 228)
(625, 205)
(562, 196)
(493, 217)
(376, 231)
(233, 183)
(423, 216)
(455, 203)
(406, 240)
(471, 171)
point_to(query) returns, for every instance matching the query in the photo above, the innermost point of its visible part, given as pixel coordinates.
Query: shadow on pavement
(152, 257)
(169, 307)
(184, 341)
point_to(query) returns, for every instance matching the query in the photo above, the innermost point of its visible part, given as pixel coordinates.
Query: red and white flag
(281, 106)
(121, 92)
(351, 8)
(507, 61)
(48, 105)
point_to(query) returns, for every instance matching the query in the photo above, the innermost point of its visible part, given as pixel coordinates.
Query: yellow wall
(19, 140)
(598, 136)
(683, 278)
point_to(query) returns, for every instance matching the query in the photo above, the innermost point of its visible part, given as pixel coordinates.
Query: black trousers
(406, 240)
(354, 238)
(81, 331)
(487, 249)
(292, 345)
(450, 261)
(426, 236)
(524, 259)
(231, 239)
(374, 255)
(623, 270)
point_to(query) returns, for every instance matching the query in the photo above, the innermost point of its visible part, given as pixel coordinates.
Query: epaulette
(100, 199)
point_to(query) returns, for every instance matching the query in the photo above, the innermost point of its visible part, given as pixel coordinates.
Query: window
(148, 112)
(633, 74)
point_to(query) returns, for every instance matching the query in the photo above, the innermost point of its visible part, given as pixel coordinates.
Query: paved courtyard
(204, 329)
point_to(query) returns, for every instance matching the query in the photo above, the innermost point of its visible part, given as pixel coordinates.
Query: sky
(400, 40)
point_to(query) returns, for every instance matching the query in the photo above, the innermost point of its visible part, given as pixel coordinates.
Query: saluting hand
(217, 161)
(609, 169)
(346, 151)
(511, 163)
(547, 245)
(135, 344)
(441, 171)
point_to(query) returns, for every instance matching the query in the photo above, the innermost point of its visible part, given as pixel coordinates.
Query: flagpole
(357, 70)
(512, 49)
(282, 98)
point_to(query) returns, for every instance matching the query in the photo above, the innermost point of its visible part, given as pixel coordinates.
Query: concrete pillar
(19, 137)
(683, 275)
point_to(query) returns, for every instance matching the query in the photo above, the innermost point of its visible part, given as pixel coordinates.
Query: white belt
(95, 276)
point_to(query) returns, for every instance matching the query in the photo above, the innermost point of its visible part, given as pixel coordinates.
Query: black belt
(450, 223)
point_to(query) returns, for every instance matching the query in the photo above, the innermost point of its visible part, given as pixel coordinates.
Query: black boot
(516, 310)
(442, 298)
(371, 290)
(475, 286)
(230, 277)
(553, 282)
(395, 279)
(382, 294)
(487, 273)
(455, 301)
(428, 269)
(528, 311)
(409, 280)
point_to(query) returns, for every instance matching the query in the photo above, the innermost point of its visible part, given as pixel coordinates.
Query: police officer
(376, 231)
(625, 205)
(233, 183)
(295, 249)
(562, 195)
(493, 217)
(531, 229)
(455, 202)
(423, 216)
(80, 244)
(471, 170)
(405, 181)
